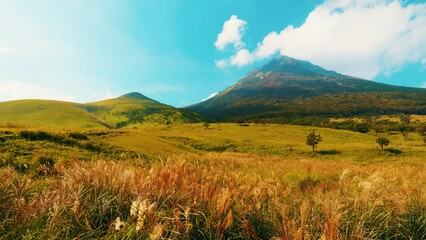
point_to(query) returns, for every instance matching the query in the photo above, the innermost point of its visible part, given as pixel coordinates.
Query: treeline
(277, 109)
(162, 116)
(402, 123)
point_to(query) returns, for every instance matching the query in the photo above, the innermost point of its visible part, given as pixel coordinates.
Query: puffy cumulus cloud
(232, 32)
(362, 38)
(14, 90)
(241, 58)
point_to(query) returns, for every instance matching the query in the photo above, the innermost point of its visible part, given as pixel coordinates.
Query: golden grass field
(185, 181)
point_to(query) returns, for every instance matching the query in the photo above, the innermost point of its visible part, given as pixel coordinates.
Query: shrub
(362, 127)
(47, 161)
(37, 136)
(78, 136)
(92, 147)
(45, 136)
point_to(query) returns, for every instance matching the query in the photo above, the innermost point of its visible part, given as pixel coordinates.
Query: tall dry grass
(216, 196)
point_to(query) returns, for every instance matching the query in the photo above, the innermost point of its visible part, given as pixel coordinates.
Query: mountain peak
(288, 65)
(286, 59)
(136, 95)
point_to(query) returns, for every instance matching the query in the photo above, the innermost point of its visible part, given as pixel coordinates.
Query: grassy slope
(47, 113)
(110, 110)
(107, 113)
(268, 140)
(119, 109)
(361, 193)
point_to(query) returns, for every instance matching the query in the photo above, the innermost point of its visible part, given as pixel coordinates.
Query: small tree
(382, 142)
(206, 125)
(405, 118)
(313, 140)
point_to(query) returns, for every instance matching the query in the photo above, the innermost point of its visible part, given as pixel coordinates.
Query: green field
(268, 140)
(224, 181)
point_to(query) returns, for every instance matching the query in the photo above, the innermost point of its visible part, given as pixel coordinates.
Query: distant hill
(136, 108)
(288, 88)
(131, 108)
(48, 113)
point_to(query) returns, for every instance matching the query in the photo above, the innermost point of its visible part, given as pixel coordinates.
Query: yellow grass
(223, 182)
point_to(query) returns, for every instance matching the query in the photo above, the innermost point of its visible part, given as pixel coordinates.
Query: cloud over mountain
(356, 37)
(232, 32)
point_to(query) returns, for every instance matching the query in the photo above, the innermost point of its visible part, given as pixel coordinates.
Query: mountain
(287, 88)
(131, 108)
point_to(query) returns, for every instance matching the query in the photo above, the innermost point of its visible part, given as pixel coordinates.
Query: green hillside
(132, 108)
(47, 113)
(287, 88)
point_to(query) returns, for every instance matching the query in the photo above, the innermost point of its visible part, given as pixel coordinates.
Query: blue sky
(180, 51)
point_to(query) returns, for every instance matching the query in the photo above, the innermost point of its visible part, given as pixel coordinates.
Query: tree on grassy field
(405, 118)
(382, 141)
(313, 140)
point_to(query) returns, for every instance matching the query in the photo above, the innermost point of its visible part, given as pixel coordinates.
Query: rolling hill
(287, 88)
(47, 113)
(131, 108)
(134, 108)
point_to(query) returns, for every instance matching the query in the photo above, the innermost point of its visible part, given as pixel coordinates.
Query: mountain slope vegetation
(286, 88)
(118, 112)
(134, 108)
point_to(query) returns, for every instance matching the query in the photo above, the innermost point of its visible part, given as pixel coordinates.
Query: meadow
(223, 181)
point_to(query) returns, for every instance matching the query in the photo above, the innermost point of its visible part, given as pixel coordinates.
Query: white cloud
(210, 96)
(242, 57)
(6, 50)
(69, 53)
(232, 32)
(362, 38)
(423, 85)
(221, 63)
(14, 90)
